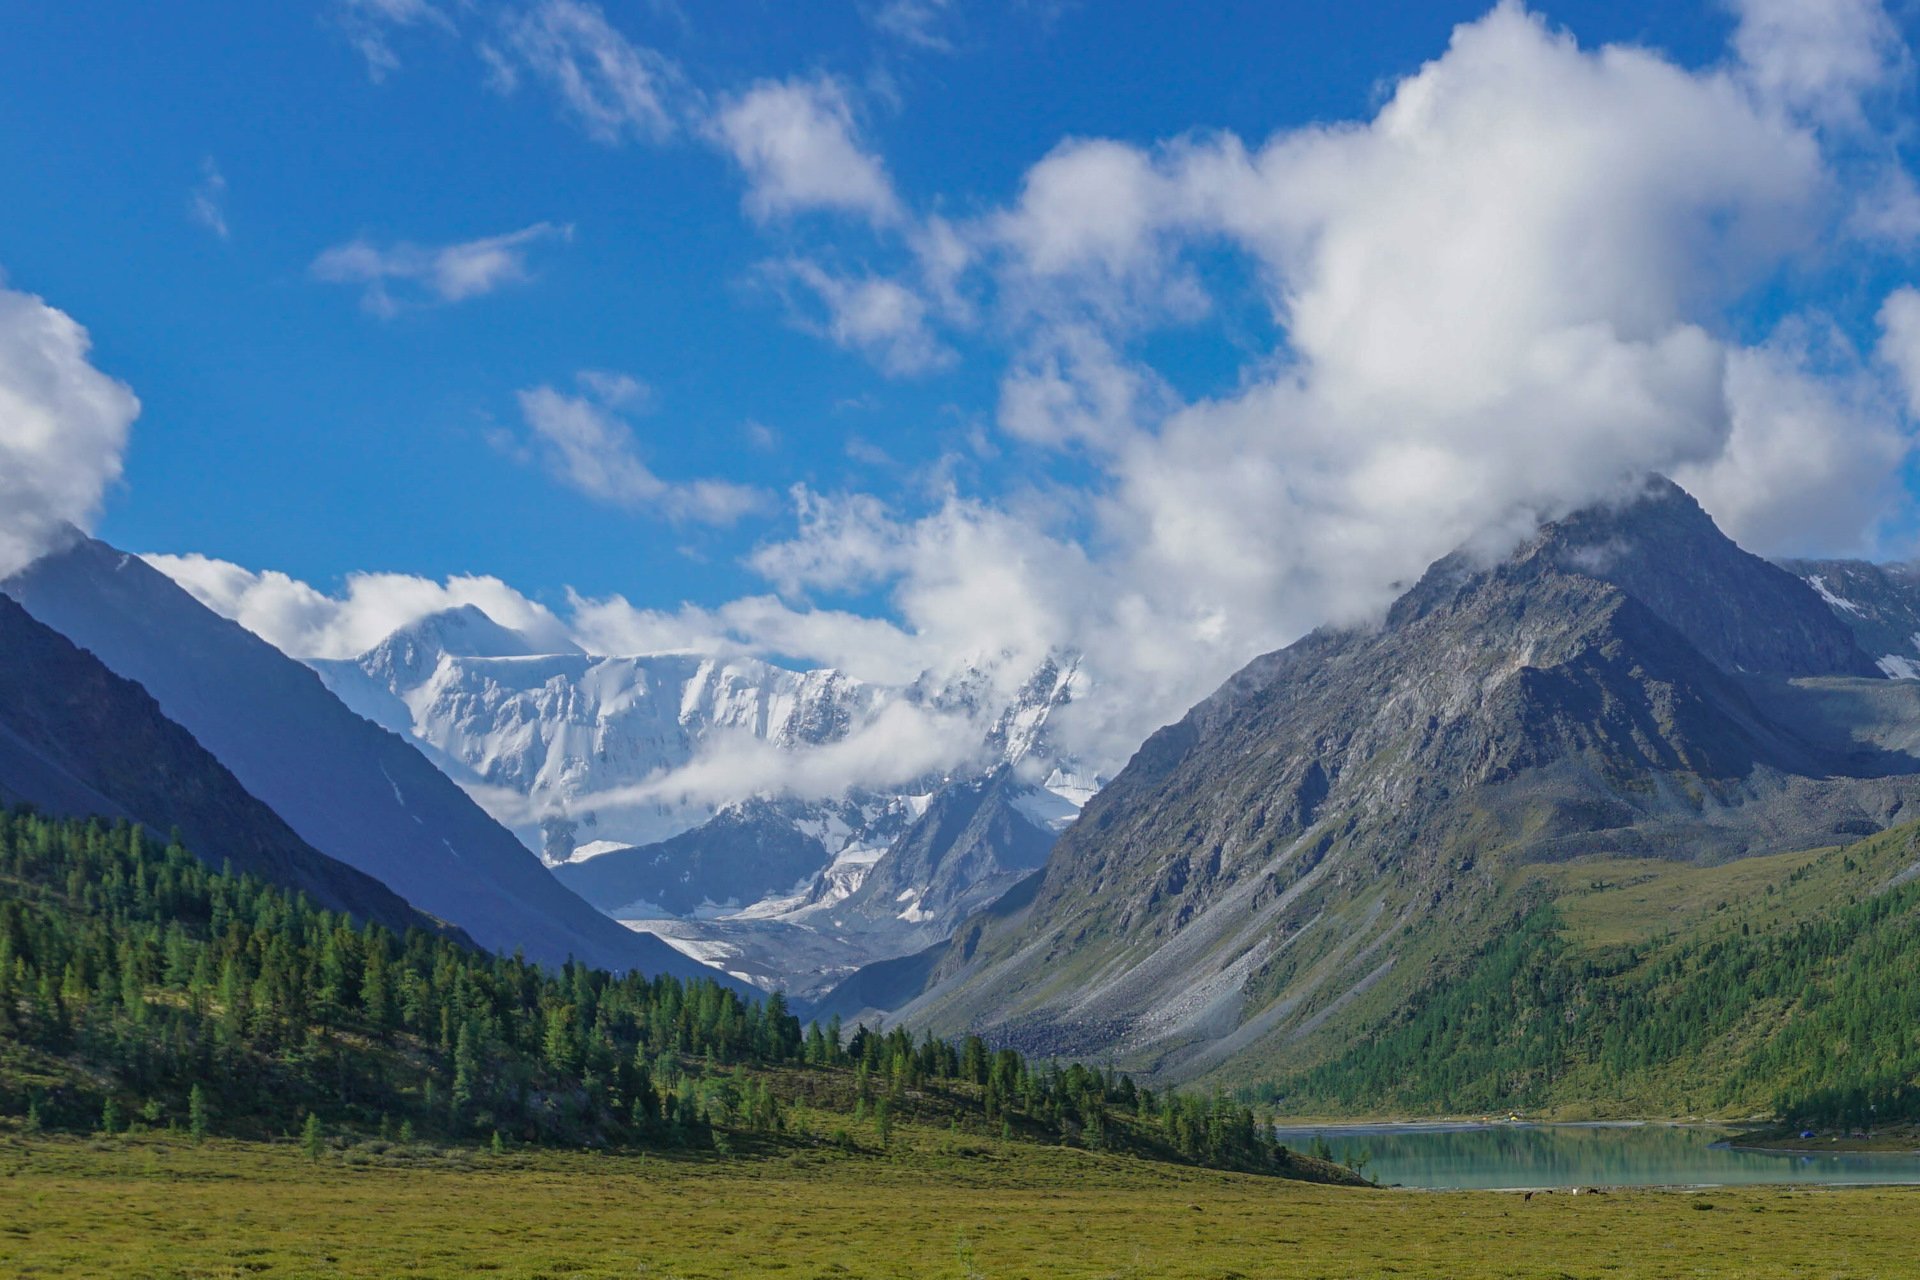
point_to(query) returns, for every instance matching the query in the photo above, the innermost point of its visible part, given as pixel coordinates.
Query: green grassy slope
(1784, 986)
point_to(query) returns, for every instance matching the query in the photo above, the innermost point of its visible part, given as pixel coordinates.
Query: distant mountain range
(350, 789)
(1311, 851)
(1329, 843)
(583, 756)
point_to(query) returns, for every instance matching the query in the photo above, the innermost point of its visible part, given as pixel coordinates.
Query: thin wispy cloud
(879, 318)
(612, 87)
(588, 444)
(403, 274)
(923, 23)
(207, 205)
(370, 27)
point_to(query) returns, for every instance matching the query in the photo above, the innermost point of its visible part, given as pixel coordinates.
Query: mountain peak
(467, 631)
(1659, 546)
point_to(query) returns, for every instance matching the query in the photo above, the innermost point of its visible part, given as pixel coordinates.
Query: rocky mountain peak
(1745, 614)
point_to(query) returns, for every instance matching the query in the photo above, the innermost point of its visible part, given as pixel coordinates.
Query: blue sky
(208, 188)
(285, 426)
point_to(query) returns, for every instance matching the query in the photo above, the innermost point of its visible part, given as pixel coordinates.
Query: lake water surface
(1499, 1156)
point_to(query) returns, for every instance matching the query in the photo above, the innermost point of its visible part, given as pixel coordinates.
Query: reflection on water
(1489, 1156)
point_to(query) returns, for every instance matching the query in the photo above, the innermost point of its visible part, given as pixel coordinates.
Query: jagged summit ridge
(1660, 546)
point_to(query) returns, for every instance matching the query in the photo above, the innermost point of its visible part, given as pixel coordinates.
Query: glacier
(725, 803)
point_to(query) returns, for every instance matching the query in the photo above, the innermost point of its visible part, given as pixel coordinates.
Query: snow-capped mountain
(688, 786)
(354, 793)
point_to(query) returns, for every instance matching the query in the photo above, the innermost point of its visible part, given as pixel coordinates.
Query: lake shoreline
(1754, 1135)
(1557, 1155)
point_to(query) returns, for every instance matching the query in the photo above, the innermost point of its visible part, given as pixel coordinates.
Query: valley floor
(158, 1207)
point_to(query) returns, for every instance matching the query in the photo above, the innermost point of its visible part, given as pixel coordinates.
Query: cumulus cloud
(1075, 389)
(797, 143)
(1900, 341)
(1505, 293)
(304, 622)
(614, 89)
(403, 273)
(1818, 57)
(208, 203)
(590, 447)
(1816, 445)
(63, 428)
(1499, 297)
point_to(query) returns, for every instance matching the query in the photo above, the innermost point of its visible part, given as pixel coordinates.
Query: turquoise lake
(1505, 1156)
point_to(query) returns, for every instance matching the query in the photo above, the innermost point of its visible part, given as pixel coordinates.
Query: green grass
(1772, 987)
(155, 1207)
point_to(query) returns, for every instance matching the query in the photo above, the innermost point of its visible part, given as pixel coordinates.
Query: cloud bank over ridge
(1528, 278)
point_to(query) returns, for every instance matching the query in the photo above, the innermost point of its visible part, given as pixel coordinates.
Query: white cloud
(614, 89)
(902, 743)
(1819, 57)
(208, 203)
(305, 623)
(762, 626)
(1900, 341)
(881, 319)
(916, 22)
(797, 144)
(1077, 389)
(1499, 297)
(590, 447)
(1814, 454)
(1505, 293)
(63, 428)
(369, 26)
(1888, 209)
(433, 273)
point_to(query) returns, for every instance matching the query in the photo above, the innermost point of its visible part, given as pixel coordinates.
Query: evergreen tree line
(138, 984)
(1818, 1018)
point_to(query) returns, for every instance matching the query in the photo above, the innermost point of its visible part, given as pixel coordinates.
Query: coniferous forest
(1809, 1018)
(140, 987)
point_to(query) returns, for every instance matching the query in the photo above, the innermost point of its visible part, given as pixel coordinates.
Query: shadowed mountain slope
(348, 788)
(79, 741)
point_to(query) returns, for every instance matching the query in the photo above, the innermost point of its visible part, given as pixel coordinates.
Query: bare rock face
(754, 849)
(1339, 813)
(974, 842)
(1878, 603)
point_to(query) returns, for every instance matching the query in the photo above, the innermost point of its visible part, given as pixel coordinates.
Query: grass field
(158, 1207)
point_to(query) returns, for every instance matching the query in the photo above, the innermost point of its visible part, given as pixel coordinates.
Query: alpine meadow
(993, 639)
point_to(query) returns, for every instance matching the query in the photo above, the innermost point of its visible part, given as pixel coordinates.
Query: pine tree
(559, 1041)
(466, 1069)
(313, 1139)
(198, 1121)
(110, 1116)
